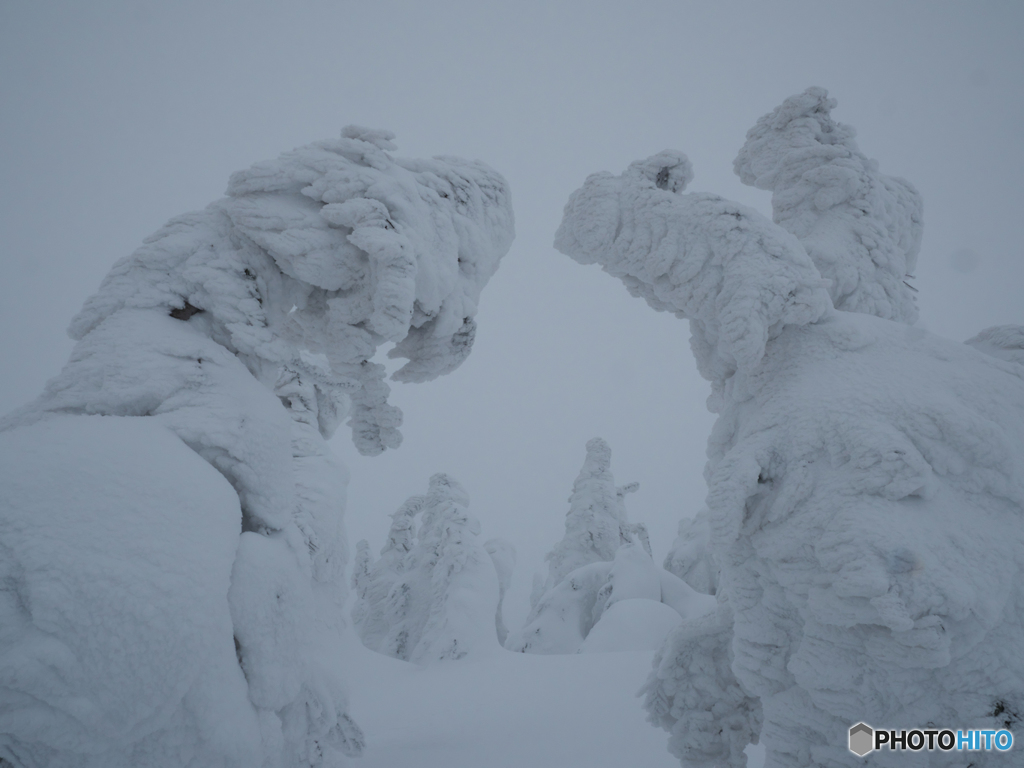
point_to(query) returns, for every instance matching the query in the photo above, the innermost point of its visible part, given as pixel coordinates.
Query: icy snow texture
(432, 595)
(737, 277)
(865, 491)
(861, 229)
(240, 335)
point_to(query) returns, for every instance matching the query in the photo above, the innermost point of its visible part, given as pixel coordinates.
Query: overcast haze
(117, 116)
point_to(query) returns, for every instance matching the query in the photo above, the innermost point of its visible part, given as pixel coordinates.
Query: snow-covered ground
(512, 710)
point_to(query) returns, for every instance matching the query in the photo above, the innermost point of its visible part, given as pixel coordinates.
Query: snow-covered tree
(432, 597)
(865, 479)
(171, 539)
(601, 560)
(596, 524)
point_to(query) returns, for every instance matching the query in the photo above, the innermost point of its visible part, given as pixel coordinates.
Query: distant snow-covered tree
(601, 560)
(431, 596)
(865, 504)
(596, 524)
(172, 545)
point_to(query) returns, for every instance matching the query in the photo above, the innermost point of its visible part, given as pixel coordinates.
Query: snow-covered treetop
(317, 258)
(596, 524)
(861, 229)
(738, 277)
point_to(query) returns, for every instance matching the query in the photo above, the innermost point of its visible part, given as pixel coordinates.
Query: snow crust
(434, 594)
(865, 478)
(210, 367)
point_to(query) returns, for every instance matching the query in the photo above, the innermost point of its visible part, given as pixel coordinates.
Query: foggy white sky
(117, 116)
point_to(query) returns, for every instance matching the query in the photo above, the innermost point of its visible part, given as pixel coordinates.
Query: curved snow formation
(236, 338)
(865, 488)
(862, 229)
(563, 618)
(737, 277)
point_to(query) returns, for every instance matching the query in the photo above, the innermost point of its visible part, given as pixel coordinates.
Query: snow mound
(565, 615)
(1003, 341)
(116, 549)
(636, 624)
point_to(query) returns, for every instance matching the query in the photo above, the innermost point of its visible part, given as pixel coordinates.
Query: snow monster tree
(171, 540)
(865, 478)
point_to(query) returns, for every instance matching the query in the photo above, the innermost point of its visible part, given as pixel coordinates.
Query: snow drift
(171, 539)
(865, 478)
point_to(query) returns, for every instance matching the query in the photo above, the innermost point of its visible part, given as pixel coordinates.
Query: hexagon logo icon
(862, 738)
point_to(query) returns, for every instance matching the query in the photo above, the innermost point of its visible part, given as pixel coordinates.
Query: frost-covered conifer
(171, 540)
(432, 597)
(865, 479)
(601, 560)
(596, 524)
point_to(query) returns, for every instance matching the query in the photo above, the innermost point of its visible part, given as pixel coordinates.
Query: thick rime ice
(195, 619)
(861, 229)
(737, 277)
(433, 593)
(865, 504)
(602, 560)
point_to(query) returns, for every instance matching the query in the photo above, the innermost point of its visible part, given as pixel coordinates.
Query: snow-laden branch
(314, 260)
(736, 276)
